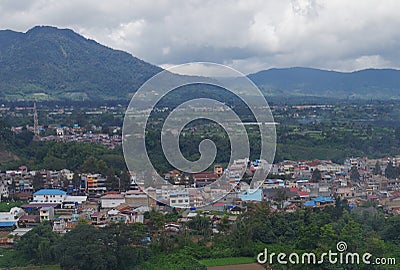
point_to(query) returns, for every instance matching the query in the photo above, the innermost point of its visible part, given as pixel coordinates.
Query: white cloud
(249, 35)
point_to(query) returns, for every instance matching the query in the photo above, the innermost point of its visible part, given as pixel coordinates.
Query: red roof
(204, 175)
(113, 196)
(303, 193)
(218, 204)
(28, 218)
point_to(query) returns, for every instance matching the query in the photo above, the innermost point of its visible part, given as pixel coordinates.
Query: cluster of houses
(77, 134)
(293, 187)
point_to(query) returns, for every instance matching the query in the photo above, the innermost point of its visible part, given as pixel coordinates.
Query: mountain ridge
(51, 63)
(63, 64)
(299, 81)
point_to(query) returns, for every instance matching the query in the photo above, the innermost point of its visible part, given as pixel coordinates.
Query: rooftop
(49, 192)
(113, 196)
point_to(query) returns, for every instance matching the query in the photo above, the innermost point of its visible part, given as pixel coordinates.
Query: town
(66, 199)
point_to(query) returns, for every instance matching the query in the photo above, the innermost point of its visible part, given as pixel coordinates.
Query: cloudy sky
(247, 35)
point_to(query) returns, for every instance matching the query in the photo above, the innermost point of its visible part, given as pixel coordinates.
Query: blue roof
(7, 223)
(50, 192)
(251, 195)
(323, 199)
(310, 204)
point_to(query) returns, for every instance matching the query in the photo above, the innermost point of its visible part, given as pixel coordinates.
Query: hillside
(51, 63)
(301, 82)
(62, 64)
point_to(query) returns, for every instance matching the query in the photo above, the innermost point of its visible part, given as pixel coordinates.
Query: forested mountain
(300, 82)
(51, 63)
(59, 63)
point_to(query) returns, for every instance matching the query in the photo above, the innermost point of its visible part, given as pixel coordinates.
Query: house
(46, 213)
(49, 196)
(116, 216)
(63, 224)
(251, 195)
(99, 218)
(112, 200)
(319, 202)
(8, 220)
(136, 198)
(73, 201)
(4, 190)
(28, 221)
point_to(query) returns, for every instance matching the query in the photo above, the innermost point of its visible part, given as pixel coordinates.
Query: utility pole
(35, 122)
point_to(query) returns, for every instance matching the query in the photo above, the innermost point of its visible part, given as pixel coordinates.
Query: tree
(223, 226)
(377, 169)
(76, 181)
(112, 181)
(89, 165)
(125, 180)
(86, 247)
(281, 196)
(390, 171)
(316, 176)
(201, 225)
(37, 244)
(156, 221)
(354, 174)
(37, 181)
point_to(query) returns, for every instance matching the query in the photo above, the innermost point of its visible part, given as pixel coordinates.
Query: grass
(6, 206)
(44, 267)
(227, 261)
(9, 259)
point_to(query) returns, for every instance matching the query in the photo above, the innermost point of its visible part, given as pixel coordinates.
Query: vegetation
(307, 230)
(51, 63)
(5, 206)
(227, 261)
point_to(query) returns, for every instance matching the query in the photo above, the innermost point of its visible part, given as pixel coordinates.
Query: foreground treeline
(124, 247)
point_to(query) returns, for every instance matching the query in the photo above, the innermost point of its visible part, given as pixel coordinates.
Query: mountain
(301, 82)
(51, 63)
(59, 63)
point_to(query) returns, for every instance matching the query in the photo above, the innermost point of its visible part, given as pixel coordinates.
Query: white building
(49, 196)
(9, 219)
(112, 200)
(46, 213)
(179, 200)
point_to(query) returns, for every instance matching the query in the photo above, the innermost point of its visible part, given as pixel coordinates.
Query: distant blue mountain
(298, 81)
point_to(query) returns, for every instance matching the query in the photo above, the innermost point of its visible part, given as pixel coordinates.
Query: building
(179, 200)
(112, 200)
(251, 195)
(46, 213)
(9, 219)
(49, 196)
(319, 202)
(94, 183)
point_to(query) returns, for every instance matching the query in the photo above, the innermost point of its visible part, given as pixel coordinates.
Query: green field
(9, 259)
(227, 261)
(6, 206)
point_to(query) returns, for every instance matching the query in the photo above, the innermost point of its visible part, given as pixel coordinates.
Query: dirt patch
(6, 156)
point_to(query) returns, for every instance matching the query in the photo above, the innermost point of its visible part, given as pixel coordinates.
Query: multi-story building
(94, 183)
(49, 196)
